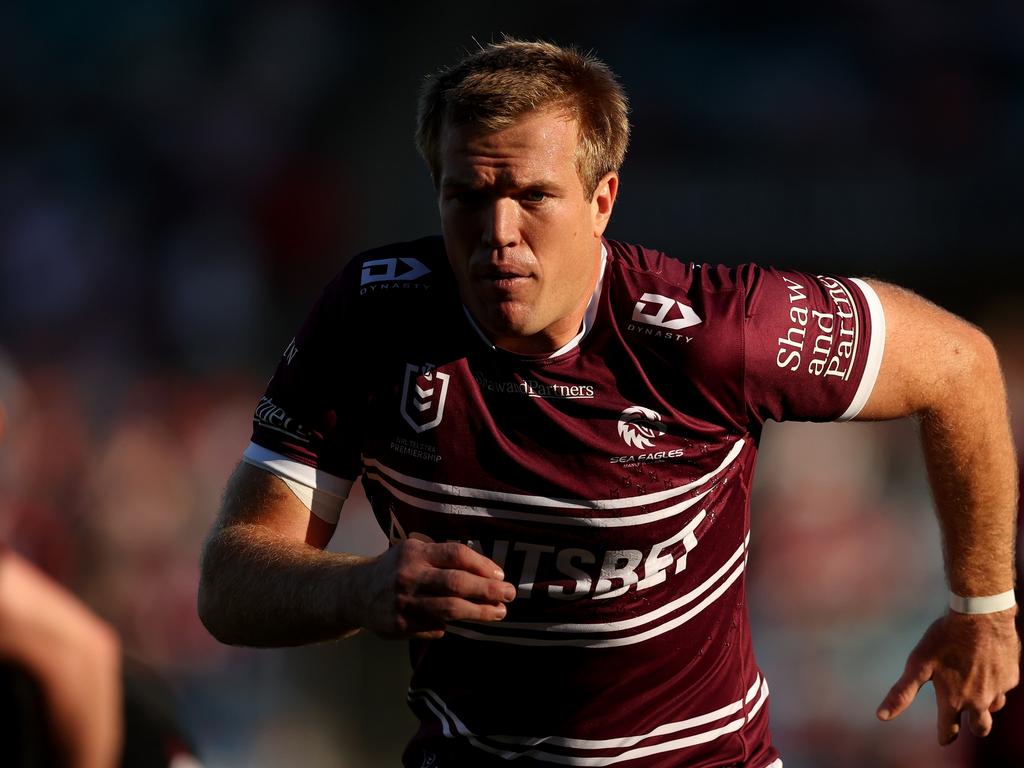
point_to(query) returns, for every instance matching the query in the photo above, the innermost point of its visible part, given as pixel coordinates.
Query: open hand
(972, 660)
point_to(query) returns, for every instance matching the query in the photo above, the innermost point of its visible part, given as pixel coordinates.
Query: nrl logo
(423, 396)
(638, 426)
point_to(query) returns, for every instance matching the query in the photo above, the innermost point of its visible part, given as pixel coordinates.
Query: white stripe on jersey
(533, 745)
(661, 730)
(462, 492)
(535, 517)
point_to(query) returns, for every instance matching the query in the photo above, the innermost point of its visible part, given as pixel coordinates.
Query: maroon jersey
(610, 481)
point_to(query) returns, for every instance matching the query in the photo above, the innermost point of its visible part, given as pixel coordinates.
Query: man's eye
(535, 196)
(467, 197)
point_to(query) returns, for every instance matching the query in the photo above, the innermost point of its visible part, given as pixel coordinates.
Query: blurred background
(179, 178)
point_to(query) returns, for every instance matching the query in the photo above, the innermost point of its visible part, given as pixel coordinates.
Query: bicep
(930, 354)
(257, 497)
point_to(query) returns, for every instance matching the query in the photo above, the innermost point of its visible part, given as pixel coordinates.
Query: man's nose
(501, 223)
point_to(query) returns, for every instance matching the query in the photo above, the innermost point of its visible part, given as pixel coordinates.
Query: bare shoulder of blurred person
(71, 697)
(73, 655)
(70, 653)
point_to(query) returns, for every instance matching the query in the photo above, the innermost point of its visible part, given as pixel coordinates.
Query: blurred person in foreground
(75, 659)
(558, 433)
(60, 664)
(70, 695)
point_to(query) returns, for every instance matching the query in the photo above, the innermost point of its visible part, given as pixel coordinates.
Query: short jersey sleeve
(812, 345)
(306, 426)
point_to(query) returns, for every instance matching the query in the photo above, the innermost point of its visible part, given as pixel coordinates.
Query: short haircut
(502, 82)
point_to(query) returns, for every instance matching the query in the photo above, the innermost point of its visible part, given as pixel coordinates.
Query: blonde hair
(497, 85)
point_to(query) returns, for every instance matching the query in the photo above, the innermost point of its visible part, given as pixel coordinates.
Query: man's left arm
(945, 372)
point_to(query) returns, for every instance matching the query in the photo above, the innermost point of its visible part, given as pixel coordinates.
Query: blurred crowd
(178, 179)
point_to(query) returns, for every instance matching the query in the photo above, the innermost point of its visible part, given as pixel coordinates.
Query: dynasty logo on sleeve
(385, 274)
(660, 316)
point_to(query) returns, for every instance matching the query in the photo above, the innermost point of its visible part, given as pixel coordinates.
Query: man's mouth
(504, 279)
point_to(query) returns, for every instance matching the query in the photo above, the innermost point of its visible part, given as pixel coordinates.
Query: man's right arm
(267, 581)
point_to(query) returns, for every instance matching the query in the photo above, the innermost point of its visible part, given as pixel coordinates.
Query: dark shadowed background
(178, 179)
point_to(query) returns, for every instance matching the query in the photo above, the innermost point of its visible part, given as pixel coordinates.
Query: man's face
(523, 237)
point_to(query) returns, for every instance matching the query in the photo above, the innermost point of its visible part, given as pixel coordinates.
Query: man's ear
(603, 201)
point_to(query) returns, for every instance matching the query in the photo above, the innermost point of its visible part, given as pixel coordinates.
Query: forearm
(259, 588)
(265, 581)
(969, 453)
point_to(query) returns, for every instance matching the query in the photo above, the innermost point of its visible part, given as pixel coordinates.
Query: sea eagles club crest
(638, 426)
(423, 396)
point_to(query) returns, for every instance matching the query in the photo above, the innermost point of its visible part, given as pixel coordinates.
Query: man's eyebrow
(503, 181)
(455, 181)
(528, 182)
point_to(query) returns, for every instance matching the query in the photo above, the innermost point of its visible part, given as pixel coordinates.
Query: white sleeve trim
(321, 492)
(875, 350)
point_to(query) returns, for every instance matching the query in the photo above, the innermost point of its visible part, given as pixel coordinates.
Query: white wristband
(988, 604)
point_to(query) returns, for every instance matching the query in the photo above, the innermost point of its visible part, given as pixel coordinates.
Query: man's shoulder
(637, 267)
(429, 247)
(411, 262)
(393, 273)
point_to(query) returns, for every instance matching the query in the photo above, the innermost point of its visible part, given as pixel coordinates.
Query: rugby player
(557, 431)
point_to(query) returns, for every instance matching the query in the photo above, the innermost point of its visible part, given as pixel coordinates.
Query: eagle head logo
(638, 426)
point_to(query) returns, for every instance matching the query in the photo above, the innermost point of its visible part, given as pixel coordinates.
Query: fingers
(904, 691)
(447, 581)
(436, 634)
(427, 617)
(424, 586)
(452, 569)
(459, 556)
(999, 703)
(948, 724)
(437, 612)
(972, 662)
(980, 721)
(979, 716)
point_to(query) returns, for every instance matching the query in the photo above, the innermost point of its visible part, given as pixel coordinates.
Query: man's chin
(510, 327)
